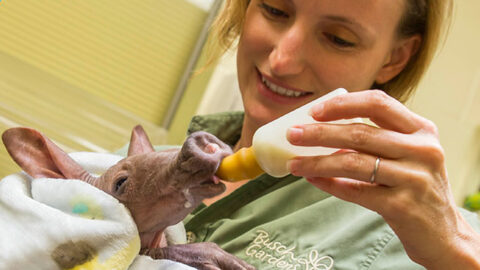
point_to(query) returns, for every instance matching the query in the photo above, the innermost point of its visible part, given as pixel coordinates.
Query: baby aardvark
(158, 188)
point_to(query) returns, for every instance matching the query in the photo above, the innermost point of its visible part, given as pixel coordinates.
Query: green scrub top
(287, 223)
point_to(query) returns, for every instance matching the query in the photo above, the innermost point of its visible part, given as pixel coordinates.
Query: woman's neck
(246, 137)
(245, 140)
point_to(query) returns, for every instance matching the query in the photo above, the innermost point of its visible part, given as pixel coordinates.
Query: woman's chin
(260, 115)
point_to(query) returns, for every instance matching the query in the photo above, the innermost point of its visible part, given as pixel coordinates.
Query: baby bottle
(270, 148)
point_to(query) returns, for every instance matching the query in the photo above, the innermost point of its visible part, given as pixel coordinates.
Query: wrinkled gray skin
(159, 188)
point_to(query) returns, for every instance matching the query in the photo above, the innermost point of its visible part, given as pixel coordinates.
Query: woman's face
(293, 51)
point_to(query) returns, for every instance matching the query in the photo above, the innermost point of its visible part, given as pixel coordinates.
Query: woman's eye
(274, 12)
(340, 42)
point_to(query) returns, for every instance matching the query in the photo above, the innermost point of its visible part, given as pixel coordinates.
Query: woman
(291, 52)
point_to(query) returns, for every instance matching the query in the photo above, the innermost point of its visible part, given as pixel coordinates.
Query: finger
(360, 167)
(157, 253)
(369, 196)
(233, 263)
(359, 137)
(228, 261)
(419, 148)
(382, 109)
(242, 265)
(207, 267)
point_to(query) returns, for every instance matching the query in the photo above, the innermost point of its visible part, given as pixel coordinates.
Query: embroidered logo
(280, 256)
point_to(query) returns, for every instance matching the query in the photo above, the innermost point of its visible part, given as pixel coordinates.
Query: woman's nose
(287, 56)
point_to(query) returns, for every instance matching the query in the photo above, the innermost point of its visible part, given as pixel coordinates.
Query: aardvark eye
(120, 184)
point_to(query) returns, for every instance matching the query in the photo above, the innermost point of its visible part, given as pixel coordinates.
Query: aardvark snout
(200, 156)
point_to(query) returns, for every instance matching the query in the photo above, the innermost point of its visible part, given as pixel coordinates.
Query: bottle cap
(239, 166)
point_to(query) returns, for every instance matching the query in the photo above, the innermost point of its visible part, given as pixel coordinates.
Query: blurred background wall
(450, 96)
(85, 72)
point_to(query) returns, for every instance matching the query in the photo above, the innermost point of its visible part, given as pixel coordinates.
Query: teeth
(280, 90)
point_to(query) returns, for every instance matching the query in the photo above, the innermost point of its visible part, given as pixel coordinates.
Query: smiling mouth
(281, 90)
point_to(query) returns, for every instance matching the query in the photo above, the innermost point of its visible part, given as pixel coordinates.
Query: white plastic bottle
(270, 148)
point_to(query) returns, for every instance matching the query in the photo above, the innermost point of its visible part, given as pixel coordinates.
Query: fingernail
(291, 164)
(294, 134)
(316, 110)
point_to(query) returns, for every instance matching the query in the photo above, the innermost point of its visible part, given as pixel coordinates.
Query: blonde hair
(429, 18)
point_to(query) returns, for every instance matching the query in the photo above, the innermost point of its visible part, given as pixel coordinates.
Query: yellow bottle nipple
(239, 166)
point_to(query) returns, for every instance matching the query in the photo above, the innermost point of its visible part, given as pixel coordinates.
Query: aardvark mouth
(208, 188)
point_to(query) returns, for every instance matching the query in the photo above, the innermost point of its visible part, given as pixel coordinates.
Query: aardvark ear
(139, 142)
(40, 157)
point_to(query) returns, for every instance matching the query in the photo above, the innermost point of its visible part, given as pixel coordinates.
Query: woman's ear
(398, 58)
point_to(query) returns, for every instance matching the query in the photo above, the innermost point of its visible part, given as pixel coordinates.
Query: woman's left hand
(410, 187)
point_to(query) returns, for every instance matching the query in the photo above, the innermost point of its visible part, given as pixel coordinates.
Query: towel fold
(69, 224)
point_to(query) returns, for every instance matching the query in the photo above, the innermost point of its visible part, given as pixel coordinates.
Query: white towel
(44, 221)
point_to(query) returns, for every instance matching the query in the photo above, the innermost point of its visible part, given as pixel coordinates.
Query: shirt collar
(226, 126)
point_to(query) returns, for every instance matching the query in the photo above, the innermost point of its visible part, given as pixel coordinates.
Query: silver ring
(375, 170)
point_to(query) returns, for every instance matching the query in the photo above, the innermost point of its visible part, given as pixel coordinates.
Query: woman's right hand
(397, 170)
